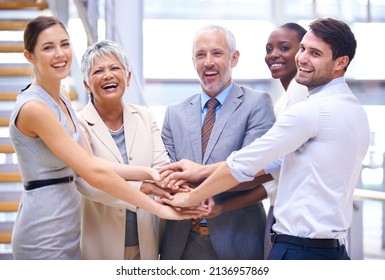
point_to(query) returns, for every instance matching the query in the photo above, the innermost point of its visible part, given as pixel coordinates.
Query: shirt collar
(336, 81)
(220, 97)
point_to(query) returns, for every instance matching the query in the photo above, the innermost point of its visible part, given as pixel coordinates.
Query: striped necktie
(208, 123)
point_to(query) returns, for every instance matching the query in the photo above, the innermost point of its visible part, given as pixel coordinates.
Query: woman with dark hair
(281, 48)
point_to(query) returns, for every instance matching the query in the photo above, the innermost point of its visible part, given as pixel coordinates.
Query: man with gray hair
(206, 128)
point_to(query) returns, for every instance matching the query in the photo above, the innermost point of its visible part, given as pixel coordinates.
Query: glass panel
(207, 9)
(369, 60)
(377, 10)
(360, 10)
(298, 9)
(165, 60)
(328, 8)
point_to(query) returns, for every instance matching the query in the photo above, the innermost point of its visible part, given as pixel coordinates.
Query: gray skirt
(47, 225)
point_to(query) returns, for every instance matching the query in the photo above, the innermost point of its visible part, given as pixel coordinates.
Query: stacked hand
(176, 181)
(176, 174)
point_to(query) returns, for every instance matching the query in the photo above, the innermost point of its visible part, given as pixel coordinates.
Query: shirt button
(130, 157)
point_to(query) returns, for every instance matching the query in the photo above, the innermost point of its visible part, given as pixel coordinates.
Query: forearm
(258, 180)
(219, 181)
(186, 171)
(206, 170)
(97, 195)
(108, 181)
(246, 199)
(128, 172)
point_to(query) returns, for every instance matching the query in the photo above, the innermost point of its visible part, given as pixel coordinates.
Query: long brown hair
(35, 27)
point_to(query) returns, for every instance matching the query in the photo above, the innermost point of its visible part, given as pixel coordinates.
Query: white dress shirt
(295, 93)
(323, 141)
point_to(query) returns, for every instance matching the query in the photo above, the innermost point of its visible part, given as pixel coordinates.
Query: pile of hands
(174, 183)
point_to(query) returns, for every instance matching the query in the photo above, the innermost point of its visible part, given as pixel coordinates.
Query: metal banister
(360, 194)
(83, 16)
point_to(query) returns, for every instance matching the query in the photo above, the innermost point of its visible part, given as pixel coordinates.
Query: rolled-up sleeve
(236, 171)
(289, 132)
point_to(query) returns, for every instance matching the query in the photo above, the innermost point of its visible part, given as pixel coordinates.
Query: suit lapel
(194, 120)
(100, 130)
(230, 104)
(130, 126)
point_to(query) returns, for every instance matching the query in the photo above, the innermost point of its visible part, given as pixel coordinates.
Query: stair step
(9, 206)
(16, 71)
(11, 96)
(15, 15)
(9, 173)
(6, 146)
(5, 236)
(10, 176)
(4, 117)
(13, 25)
(23, 5)
(11, 48)
(8, 96)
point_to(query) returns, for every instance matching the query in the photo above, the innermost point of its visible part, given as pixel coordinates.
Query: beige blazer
(104, 216)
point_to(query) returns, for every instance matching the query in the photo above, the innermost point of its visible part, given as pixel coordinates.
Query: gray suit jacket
(245, 115)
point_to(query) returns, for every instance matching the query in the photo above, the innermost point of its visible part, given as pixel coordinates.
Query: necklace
(116, 131)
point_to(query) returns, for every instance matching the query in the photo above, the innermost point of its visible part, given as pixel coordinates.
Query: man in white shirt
(322, 140)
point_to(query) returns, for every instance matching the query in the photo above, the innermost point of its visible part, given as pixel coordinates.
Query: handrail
(83, 16)
(136, 96)
(360, 194)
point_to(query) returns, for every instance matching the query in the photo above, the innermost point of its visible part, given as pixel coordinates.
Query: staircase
(15, 74)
